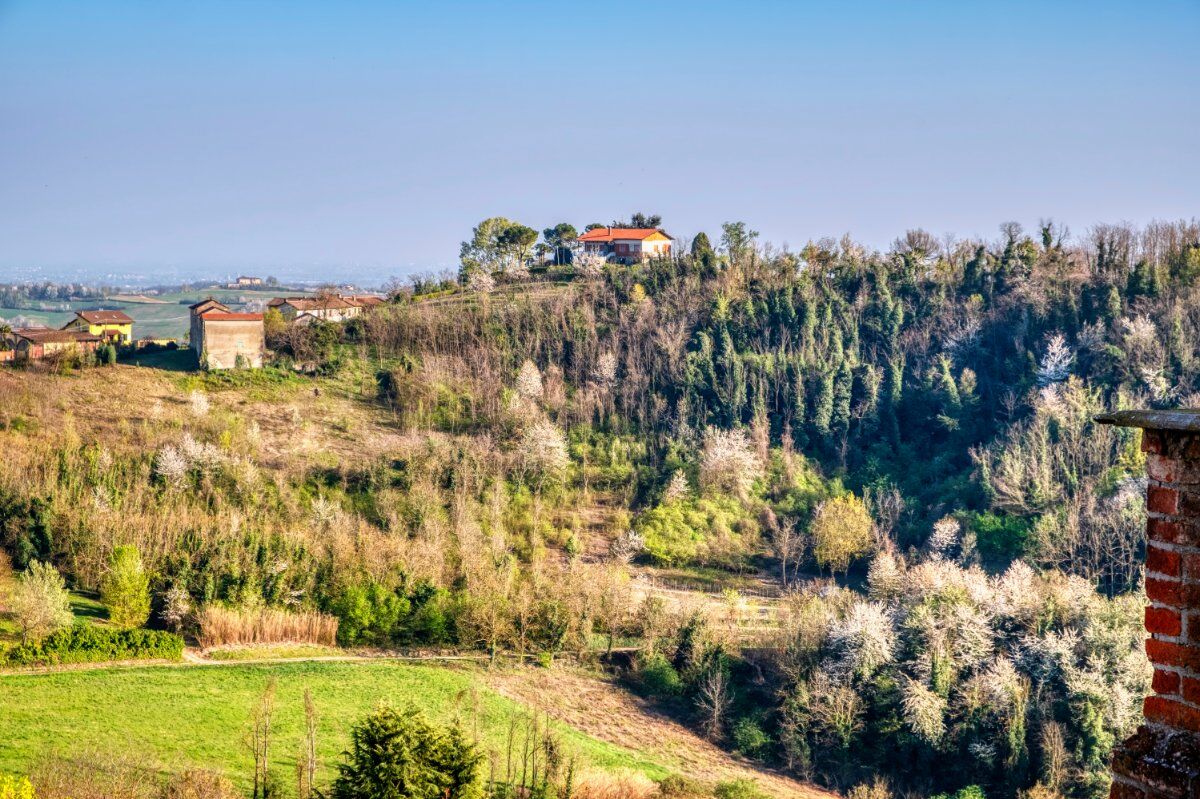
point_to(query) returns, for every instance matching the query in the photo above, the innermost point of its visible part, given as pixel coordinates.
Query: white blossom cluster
(174, 463)
(975, 658)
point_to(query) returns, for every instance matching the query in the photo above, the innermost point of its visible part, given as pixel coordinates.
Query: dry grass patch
(225, 626)
(606, 711)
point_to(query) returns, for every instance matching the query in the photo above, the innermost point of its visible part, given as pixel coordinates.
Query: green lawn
(197, 715)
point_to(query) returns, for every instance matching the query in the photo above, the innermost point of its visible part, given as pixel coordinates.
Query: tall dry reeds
(220, 626)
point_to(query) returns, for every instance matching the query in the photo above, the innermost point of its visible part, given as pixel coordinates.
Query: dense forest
(899, 444)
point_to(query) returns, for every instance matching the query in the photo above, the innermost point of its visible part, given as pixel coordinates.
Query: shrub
(125, 590)
(677, 786)
(40, 603)
(716, 531)
(842, 530)
(1000, 538)
(739, 789)
(373, 615)
(396, 753)
(749, 738)
(89, 643)
(221, 626)
(659, 678)
(967, 792)
(15, 787)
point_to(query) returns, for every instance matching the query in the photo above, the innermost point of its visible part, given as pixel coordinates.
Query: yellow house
(109, 325)
(627, 245)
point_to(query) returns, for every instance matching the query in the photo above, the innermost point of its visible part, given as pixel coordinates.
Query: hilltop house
(223, 339)
(326, 308)
(244, 281)
(113, 326)
(627, 245)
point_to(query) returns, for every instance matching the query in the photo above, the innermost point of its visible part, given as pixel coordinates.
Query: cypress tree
(843, 390)
(822, 412)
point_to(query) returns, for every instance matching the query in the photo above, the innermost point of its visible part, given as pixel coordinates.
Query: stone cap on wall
(1183, 421)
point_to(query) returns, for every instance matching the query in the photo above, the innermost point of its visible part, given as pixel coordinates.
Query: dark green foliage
(1000, 538)
(25, 529)
(374, 615)
(89, 643)
(658, 677)
(749, 738)
(399, 754)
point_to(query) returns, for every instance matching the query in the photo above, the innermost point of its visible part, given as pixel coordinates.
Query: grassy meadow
(197, 716)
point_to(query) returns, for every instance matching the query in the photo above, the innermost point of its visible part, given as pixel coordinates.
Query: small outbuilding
(223, 339)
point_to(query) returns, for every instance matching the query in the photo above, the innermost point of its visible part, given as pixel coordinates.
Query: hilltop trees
(559, 239)
(497, 244)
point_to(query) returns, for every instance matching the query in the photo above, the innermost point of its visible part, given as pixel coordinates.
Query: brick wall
(1162, 760)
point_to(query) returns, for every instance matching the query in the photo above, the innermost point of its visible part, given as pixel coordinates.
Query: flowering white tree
(543, 448)
(529, 381)
(729, 462)
(588, 265)
(885, 578)
(480, 281)
(1056, 362)
(177, 606)
(171, 466)
(924, 711)
(861, 642)
(605, 373)
(945, 536)
(627, 546)
(677, 490)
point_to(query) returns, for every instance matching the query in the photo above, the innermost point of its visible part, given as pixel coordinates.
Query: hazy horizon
(320, 141)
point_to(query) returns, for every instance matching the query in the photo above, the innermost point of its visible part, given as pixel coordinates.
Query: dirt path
(196, 658)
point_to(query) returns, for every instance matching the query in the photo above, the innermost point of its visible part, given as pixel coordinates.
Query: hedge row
(88, 643)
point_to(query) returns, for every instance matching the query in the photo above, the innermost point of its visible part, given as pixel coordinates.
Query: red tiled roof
(315, 303)
(228, 316)
(105, 317)
(366, 300)
(43, 336)
(611, 233)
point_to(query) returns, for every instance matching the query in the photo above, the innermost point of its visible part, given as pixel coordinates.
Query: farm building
(115, 326)
(627, 245)
(327, 308)
(35, 343)
(223, 339)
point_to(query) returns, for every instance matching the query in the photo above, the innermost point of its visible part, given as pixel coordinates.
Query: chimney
(1162, 759)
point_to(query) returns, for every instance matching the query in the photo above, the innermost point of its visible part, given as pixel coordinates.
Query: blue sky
(365, 139)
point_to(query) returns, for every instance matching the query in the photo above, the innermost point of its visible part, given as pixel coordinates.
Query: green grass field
(197, 716)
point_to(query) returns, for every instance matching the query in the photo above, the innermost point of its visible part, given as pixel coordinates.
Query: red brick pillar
(1162, 760)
